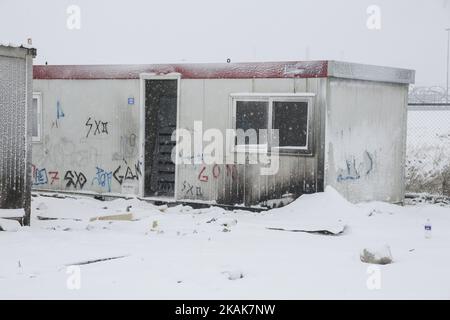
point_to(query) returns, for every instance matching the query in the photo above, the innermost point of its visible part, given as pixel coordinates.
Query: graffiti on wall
(207, 174)
(103, 178)
(127, 148)
(202, 176)
(54, 176)
(215, 172)
(355, 170)
(59, 115)
(189, 190)
(126, 172)
(40, 176)
(96, 127)
(75, 179)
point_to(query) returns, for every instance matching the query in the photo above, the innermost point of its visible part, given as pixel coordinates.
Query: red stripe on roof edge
(288, 69)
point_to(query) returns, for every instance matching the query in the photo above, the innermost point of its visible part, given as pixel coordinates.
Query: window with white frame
(36, 125)
(266, 115)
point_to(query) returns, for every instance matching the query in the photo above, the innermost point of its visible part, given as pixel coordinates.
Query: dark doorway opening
(160, 123)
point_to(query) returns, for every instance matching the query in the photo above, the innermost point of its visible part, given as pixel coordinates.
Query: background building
(107, 129)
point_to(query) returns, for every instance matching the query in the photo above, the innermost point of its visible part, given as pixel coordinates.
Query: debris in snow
(118, 217)
(234, 274)
(19, 266)
(211, 220)
(322, 232)
(155, 228)
(286, 199)
(376, 211)
(95, 261)
(427, 228)
(176, 209)
(53, 219)
(226, 222)
(162, 208)
(9, 225)
(90, 227)
(53, 195)
(41, 206)
(12, 213)
(380, 255)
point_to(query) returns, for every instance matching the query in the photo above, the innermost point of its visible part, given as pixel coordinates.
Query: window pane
(252, 115)
(291, 119)
(35, 117)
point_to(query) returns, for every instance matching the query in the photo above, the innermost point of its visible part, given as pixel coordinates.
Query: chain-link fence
(428, 142)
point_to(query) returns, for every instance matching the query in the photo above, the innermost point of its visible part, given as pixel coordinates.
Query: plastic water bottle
(428, 229)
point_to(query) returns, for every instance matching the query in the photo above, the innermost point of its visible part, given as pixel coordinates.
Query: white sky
(412, 32)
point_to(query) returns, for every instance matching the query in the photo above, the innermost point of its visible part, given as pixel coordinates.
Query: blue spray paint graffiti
(352, 172)
(59, 114)
(59, 111)
(39, 176)
(103, 178)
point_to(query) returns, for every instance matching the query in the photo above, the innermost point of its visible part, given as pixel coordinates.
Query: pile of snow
(9, 225)
(234, 274)
(86, 209)
(6, 216)
(323, 211)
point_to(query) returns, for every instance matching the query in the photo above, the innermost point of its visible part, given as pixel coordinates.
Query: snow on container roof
(9, 50)
(288, 69)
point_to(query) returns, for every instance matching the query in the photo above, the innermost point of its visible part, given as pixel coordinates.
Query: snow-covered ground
(185, 253)
(428, 152)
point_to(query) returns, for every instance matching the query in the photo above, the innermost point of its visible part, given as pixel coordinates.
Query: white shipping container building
(107, 130)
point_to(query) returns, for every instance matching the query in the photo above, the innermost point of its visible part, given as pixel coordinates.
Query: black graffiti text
(75, 179)
(129, 174)
(97, 126)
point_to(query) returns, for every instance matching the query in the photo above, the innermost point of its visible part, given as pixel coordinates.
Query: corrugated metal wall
(15, 90)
